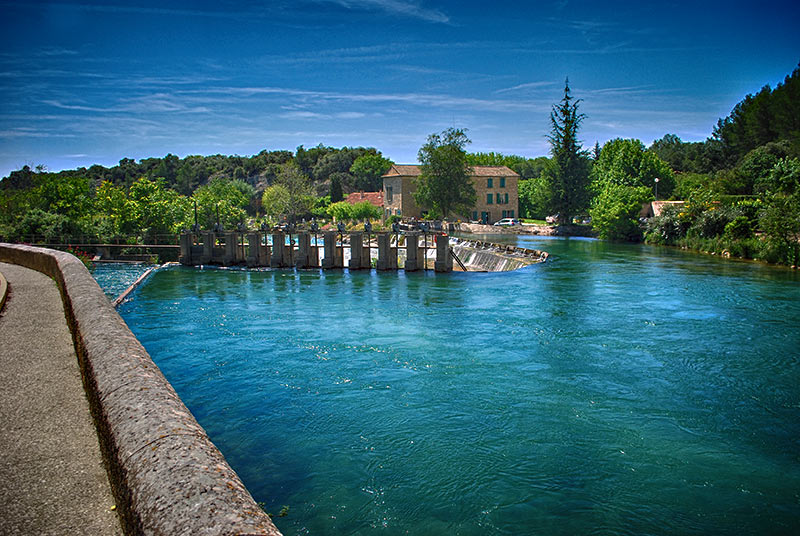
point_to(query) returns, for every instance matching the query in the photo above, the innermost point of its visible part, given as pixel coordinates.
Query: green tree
(227, 197)
(615, 211)
(365, 211)
(336, 188)
(368, 170)
(157, 209)
(681, 156)
(63, 194)
(37, 224)
(444, 184)
(341, 211)
(114, 209)
(568, 172)
(780, 218)
(534, 198)
(628, 163)
(301, 197)
(275, 202)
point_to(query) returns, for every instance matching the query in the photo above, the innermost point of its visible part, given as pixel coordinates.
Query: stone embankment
(166, 476)
(526, 229)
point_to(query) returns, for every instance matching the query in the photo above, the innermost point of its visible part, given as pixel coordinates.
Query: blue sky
(85, 82)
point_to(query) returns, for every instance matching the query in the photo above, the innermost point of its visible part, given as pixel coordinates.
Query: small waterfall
(489, 257)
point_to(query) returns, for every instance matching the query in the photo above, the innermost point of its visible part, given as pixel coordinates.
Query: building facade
(496, 189)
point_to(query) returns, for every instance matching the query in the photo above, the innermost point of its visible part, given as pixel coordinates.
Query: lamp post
(656, 181)
(425, 227)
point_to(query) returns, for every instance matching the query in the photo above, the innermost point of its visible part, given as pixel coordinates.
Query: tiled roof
(413, 170)
(493, 171)
(404, 170)
(376, 198)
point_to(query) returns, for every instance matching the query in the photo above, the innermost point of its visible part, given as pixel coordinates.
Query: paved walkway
(52, 479)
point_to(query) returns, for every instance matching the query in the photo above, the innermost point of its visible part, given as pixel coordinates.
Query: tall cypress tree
(568, 172)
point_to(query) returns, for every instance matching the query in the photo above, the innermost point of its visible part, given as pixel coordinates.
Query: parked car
(506, 222)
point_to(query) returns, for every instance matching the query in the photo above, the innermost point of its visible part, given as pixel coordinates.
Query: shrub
(711, 223)
(668, 227)
(340, 211)
(739, 228)
(365, 211)
(745, 248)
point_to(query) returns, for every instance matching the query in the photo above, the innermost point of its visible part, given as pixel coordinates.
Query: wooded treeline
(748, 164)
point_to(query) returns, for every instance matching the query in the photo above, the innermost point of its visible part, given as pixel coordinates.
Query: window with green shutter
(489, 198)
(506, 201)
(502, 182)
(499, 198)
(489, 183)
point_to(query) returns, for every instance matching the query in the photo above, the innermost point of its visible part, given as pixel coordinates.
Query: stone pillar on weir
(333, 255)
(444, 261)
(253, 249)
(303, 259)
(231, 245)
(387, 255)
(313, 251)
(278, 250)
(208, 247)
(186, 249)
(414, 255)
(356, 250)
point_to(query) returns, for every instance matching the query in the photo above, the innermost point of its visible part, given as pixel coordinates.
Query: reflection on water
(613, 389)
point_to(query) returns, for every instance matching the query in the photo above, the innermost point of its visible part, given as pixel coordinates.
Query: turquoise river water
(615, 389)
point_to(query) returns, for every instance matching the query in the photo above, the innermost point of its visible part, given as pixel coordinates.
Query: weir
(353, 250)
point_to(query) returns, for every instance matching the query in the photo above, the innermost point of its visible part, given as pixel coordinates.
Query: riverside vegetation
(741, 186)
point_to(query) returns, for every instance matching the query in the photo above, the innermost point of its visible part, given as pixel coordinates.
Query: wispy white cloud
(25, 132)
(405, 8)
(155, 103)
(140, 10)
(306, 114)
(310, 98)
(526, 86)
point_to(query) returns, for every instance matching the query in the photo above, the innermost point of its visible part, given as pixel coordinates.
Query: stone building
(496, 189)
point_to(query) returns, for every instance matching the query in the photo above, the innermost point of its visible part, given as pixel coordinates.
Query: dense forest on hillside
(749, 165)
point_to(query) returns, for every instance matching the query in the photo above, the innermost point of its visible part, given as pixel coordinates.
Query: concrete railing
(166, 475)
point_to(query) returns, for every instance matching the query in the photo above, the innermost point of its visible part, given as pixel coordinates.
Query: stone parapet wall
(166, 474)
(3, 291)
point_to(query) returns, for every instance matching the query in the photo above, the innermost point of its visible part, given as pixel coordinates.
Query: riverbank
(526, 229)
